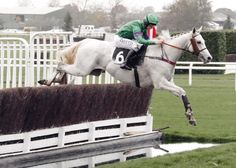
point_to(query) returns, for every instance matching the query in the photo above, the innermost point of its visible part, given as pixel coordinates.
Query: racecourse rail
(228, 67)
(24, 63)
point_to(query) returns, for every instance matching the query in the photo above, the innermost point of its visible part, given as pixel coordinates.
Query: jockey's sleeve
(138, 35)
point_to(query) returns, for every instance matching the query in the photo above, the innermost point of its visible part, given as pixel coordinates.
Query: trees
(118, 11)
(67, 22)
(1, 24)
(228, 24)
(186, 14)
(24, 3)
(148, 9)
(117, 14)
(54, 3)
(99, 18)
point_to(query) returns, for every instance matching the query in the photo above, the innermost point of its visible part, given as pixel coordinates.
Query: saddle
(134, 60)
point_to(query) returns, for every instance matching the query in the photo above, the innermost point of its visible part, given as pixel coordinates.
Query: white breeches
(127, 43)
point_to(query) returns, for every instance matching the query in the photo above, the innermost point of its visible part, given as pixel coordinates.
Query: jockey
(134, 34)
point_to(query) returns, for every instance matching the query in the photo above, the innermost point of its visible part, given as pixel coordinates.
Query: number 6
(119, 58)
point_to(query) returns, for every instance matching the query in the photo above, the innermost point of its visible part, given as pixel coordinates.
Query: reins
(179, 48)
(196, 50)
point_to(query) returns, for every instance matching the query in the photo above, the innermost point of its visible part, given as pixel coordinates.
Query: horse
(91, 56)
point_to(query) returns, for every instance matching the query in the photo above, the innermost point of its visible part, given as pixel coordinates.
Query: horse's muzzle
(209, 58)
(205, 60)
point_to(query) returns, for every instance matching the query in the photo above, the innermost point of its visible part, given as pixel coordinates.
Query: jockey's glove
(157, 41)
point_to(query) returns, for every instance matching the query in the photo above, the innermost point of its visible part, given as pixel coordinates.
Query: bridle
(196, 51)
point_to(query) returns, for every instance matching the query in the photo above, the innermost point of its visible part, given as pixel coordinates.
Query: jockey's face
(150, 26)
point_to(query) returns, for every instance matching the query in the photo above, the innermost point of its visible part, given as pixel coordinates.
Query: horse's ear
(200, 29)
(194, 30)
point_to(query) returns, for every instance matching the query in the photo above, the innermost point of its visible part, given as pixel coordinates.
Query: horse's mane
(182, 33)
(179, 34)
(165, 34)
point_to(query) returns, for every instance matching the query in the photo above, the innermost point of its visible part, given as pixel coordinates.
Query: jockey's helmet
(150, 19)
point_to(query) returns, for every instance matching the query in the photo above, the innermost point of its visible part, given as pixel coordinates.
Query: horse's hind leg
(57, 77)
(178, 91)
(72, 69)
(63, 79)
(49, 81)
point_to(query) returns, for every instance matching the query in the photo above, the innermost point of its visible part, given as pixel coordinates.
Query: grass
(213, 100)
(222, 156)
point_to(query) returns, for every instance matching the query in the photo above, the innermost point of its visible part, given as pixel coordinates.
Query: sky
(133, 4)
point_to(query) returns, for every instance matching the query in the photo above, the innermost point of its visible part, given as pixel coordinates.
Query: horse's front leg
(180, 92)
(188, 110)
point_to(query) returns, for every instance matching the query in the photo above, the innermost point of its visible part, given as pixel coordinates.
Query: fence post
(190, 74)
(61, 137)
(149, 123)
(27, 140)
(91, 132)
(122, 127)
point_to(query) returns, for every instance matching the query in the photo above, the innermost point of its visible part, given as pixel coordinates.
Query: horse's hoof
(42, 82)
(193, 122)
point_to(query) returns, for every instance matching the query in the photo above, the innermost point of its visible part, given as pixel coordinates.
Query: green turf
(213, 100)
(222, 156)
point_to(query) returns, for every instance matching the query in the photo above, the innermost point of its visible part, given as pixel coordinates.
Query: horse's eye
(199, 42)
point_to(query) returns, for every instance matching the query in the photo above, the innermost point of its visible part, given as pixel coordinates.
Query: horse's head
(198, 47)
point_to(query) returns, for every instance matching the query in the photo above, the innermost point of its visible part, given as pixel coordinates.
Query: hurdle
(39, 119)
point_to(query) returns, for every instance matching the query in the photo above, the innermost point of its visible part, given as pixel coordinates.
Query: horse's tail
(68, 54)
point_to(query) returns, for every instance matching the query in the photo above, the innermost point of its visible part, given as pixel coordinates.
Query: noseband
(196, 50)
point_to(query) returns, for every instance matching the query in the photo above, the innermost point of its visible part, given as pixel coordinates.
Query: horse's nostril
(209, 58)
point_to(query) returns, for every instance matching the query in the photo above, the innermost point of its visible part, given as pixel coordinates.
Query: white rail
(14, 64)
(73, 134)
(23, 63)
(228, 67)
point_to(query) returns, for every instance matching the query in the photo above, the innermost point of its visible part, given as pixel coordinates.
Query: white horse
(157, 69)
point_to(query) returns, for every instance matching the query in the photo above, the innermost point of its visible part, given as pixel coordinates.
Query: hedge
(230, 42)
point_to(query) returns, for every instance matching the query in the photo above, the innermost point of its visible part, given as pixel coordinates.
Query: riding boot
(125, 65)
